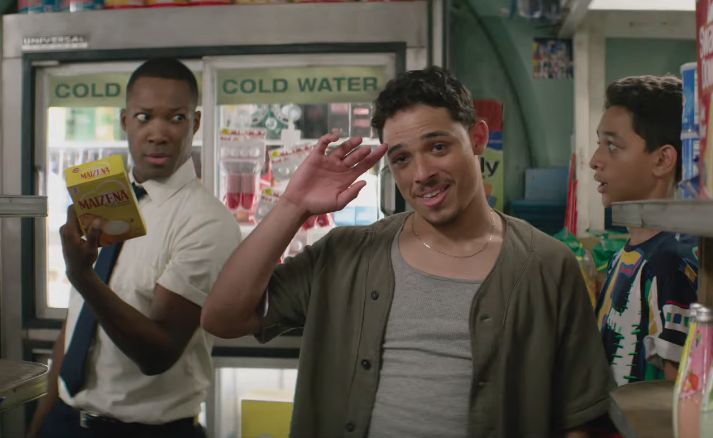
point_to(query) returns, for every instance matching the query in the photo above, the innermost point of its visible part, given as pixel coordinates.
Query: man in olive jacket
(454, 320)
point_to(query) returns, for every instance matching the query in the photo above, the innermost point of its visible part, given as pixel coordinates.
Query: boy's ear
(666, 159)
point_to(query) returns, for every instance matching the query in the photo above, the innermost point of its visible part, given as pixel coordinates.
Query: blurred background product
(689, 186)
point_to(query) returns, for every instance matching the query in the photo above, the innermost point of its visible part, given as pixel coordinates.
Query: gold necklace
(481, 249)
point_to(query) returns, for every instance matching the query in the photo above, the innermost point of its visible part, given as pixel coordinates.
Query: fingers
(71, 229)
(324, 141)
(93, 233)
(346, 147)
(356, 156)
(71, 216)
(370, 159)
(349, 194)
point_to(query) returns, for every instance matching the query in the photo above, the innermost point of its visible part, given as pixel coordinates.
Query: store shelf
(23, 206)
(692, 217)
(643, 409)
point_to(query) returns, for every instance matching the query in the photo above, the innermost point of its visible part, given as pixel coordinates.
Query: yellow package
(263, 418)
(101, 189)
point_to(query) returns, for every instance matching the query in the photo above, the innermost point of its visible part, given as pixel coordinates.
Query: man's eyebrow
(433, 134)
(395, 148)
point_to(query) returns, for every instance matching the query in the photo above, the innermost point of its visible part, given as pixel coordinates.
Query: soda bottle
(683, 365)
(707, 406)
(696, 376)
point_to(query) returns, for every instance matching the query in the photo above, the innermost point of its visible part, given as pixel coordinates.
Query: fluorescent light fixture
(643, 5)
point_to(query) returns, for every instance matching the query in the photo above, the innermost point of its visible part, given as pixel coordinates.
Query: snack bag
(101, 189)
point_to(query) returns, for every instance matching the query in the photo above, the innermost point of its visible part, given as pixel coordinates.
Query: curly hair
(433, 86)
(655, 104)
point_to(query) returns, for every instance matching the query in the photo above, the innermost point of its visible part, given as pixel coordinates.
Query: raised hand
(326, 183)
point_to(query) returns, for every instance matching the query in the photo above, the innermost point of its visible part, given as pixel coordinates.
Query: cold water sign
(88, 90)
(321, 84)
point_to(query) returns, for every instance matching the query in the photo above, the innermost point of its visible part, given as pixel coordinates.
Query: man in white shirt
(149, 365)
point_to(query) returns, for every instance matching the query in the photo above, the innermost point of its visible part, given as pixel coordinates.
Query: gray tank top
(424, 382)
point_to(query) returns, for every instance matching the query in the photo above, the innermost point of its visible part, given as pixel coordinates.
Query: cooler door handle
(40, 180)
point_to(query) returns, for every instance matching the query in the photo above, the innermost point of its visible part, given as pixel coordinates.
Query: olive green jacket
(538, 361)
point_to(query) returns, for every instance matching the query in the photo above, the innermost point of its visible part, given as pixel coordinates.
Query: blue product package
(688, 188)
(85, 5)
(366, 215)
(689, 116)
(345, 217)
(690, 153)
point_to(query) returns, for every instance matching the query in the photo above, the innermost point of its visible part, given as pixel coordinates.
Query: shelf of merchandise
(23, 206)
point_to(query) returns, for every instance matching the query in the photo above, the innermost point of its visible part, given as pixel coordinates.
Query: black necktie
(73, 369)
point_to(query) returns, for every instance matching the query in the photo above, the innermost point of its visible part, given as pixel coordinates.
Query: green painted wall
(631, 56)
(491, 54)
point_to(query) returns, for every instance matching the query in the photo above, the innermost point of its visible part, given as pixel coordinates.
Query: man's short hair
(655, 104)
(165, 68)
(432, 86)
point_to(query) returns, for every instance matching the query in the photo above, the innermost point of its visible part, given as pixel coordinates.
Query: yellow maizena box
(101, 189)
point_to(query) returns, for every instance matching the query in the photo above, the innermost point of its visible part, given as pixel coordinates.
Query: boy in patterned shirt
(642, 310)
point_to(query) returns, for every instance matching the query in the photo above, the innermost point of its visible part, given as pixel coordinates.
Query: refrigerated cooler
(273, 78)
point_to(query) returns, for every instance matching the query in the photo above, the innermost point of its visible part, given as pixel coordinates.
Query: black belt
(91, 420)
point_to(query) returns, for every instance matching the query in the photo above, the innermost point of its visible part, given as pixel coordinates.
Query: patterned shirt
(642, 311)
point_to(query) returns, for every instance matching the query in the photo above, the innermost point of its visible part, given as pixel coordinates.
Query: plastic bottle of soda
(707, 406)
(695, 378)
(683, 365)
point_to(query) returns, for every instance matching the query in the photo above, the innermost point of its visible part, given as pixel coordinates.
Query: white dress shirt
(190, 235)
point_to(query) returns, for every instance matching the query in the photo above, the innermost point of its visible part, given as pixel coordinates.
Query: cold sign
(82, 90)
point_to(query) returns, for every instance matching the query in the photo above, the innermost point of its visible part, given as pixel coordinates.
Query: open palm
(326, 183)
